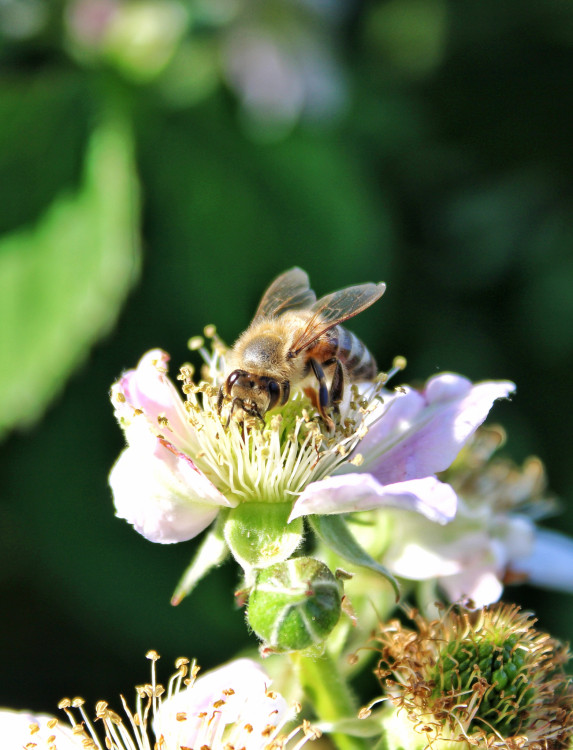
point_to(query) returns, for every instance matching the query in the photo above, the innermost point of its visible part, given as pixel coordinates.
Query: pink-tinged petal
(148, 390)
(550, 563)
(162, 493)
(355, 492)
(420, 434)
(20, 729)
(237, 693)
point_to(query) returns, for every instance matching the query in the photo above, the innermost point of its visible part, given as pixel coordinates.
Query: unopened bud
(295, 604)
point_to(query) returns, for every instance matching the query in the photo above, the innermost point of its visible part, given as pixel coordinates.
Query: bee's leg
(337, 384)
(220, 397)
(323, 395)
(285, 387)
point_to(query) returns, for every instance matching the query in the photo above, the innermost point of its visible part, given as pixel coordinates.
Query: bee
(294, 339)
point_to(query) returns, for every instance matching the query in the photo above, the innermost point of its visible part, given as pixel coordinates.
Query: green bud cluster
(485, 678)
(295, 604)
(502, 667)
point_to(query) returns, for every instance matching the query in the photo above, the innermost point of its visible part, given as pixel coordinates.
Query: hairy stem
(329, 695)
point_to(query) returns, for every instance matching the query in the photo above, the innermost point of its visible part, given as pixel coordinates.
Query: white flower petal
(550, 563)
(465, 554)
(481, 585)
(20, 729)
(235, 694)
(420, 434)
(148, 390)
(161, 492)
(421, 549)
(418, 562)
(355, 492)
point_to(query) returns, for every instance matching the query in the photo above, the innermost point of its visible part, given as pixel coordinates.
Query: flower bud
(295, 604)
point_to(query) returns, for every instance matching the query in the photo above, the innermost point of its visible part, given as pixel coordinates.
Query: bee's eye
(233, 377)
(274, 393)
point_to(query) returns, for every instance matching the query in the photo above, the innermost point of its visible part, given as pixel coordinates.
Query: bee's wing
(289, 291)
(335, 308)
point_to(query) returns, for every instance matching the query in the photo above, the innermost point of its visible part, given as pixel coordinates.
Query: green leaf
(212, 552)
(44, 128)
(334, 532)
(63, 280)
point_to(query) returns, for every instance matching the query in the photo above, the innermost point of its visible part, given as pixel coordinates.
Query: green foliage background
(130, 219)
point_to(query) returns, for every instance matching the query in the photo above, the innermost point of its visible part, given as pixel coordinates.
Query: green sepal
(333, 531)
(212, 552)
(259, 534)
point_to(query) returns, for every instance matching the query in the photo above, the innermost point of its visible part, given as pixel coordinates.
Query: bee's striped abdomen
(357, 360)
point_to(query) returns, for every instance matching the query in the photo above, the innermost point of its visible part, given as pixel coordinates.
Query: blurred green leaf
(63, 280)
(43, 132)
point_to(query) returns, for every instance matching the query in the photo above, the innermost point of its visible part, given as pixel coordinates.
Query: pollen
(195, 343)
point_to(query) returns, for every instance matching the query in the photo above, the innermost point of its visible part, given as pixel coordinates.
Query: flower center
(271, 460)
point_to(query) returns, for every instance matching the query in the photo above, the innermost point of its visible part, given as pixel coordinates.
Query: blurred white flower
(21, 729)
(139, 37)
(278, 58)
(493, 539)
(281, 75)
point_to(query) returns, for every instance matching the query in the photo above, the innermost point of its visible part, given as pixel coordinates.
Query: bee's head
(252, 394)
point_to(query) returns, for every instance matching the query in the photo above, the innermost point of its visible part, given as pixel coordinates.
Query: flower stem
(329, 695)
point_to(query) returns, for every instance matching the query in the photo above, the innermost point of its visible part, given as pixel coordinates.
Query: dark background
(427, 143)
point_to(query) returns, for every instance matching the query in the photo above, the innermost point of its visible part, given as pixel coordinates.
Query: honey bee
(294, 338)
